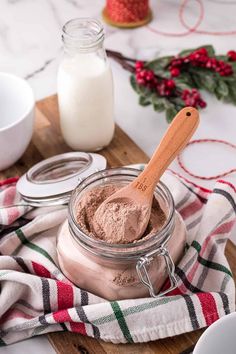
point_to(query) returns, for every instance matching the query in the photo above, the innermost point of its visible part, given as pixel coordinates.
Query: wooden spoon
(123, 217)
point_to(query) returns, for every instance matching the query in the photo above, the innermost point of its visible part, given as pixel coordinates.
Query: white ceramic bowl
(219, 338)
(16, 118)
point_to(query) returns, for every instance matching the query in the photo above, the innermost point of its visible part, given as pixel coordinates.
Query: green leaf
(204, 78)
(178, 102)
(170, 113)
(158, 103)
(159, 64)
(233, 64)
(184, 81)
(144, 101)
(209, 82)
(230, 79)
(197, 81)
(133, 83)
(222, 57)
(232, 94)
(222, 89)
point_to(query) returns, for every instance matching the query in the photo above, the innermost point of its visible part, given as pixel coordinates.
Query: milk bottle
(85, 87)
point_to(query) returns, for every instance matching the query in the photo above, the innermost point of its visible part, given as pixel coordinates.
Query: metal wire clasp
(143, 273)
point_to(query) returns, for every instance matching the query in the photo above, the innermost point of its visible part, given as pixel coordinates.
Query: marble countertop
(30, 46)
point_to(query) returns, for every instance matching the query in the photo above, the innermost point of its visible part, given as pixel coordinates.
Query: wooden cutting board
(46, 142)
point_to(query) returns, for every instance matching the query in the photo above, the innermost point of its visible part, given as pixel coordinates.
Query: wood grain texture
(46, 142)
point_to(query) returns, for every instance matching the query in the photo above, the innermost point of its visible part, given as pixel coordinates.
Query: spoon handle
(175, 139)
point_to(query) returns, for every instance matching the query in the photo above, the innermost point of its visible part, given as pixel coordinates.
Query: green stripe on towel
(121, 320)
(210, 264)
(31, 245)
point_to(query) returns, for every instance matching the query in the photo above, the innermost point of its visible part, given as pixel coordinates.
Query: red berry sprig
(144, 76)
(193, 98)
(201, 58)
(166, 87)
(170, 83)
(147, 78)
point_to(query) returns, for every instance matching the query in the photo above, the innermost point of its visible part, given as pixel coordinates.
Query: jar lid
(51, 181)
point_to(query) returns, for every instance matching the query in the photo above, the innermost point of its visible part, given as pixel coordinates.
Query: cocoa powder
(93, 198)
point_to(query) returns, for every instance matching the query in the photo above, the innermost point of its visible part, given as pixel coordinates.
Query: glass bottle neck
(82, 35)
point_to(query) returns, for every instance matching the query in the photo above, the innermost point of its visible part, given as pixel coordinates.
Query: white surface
(30, 46)
(36, 345)
(17, 118)
(219, 337)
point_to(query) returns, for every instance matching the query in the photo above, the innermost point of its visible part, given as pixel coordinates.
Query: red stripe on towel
(9, 197)
(12, 214)
(40, 270)
(78, 327)
(9, 181)
(14, 313)
(61, 316)
(209, 308)
(190, 209)
(65, 296)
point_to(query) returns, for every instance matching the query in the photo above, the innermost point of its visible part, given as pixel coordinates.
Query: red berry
(209, 64)
(142, 73)
(213, 63)
(232, 55)
(193, 98)
(202, 104)
(194, 56)
(139, 65)
(141, 81)
(145, 77)
(176, 62)
(203, 59)
(167, 92)
(170, 84)
(154, 81)
(202, 51)
(175, 72)
(149, 75)
(221, 63)
(186, 60)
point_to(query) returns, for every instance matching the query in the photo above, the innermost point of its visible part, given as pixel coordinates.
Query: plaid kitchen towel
(37, 298)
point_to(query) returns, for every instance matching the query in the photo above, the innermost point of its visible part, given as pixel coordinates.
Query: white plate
(219, 338)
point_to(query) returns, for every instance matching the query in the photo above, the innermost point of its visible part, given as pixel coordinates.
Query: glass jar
(85, 87)
(121, 271)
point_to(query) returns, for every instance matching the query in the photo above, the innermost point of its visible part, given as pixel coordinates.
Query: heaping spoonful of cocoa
(128, 210)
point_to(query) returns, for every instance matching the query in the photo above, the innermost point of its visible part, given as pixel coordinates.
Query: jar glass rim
(82, 32)
(136, 248)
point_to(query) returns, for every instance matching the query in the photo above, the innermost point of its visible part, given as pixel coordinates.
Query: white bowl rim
(27, 112)
(211, 328)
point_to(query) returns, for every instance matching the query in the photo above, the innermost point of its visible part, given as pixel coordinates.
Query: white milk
(85, 94)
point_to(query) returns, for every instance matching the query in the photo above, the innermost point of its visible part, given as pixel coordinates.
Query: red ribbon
(127, 11)
(206, 178)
